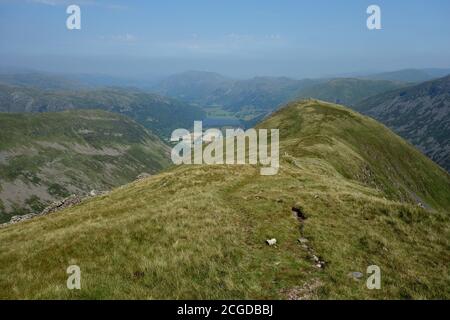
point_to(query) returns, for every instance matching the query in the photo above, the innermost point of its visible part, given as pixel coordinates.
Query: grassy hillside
(420, 114)
(159, 114)
(200, 231)
(48, 156)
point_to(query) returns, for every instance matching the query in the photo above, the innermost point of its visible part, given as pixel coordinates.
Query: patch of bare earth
(306, 292)
(7, 155)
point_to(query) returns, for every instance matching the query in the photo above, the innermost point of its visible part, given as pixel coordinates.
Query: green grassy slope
(159, 114)
(200, 231)
(44, 157)
(363, 150)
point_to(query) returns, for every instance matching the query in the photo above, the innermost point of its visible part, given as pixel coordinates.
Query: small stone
(143, 175)
(303, 240)
(93, 193)
(355, 275)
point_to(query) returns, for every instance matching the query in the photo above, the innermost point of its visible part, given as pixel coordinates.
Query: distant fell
(158, 113)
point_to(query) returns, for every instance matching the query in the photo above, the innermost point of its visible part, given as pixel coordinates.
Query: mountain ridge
(355, 211)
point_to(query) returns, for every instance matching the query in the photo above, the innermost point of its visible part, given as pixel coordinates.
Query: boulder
(143, 175)
(356, 275)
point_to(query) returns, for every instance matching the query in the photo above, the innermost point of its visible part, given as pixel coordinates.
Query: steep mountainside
(49, 156)
(159, 114)
(420, 114)
(362, 196)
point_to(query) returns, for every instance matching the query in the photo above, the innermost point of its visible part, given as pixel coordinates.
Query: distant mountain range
(411, 75)
(63, 81)
(262, 95)
(41, 80)
(211, 89)
(420, 114)
(48, 156)
(159, 114)
(267, 93)
(348, 91)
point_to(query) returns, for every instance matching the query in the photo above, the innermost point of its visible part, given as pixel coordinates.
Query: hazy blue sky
(239, 38)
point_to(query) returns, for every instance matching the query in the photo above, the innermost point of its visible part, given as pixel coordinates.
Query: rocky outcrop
(143, 176)
(56, 206)
(64, 204)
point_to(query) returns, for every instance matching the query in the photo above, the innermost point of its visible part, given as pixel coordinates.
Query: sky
(238, 38)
